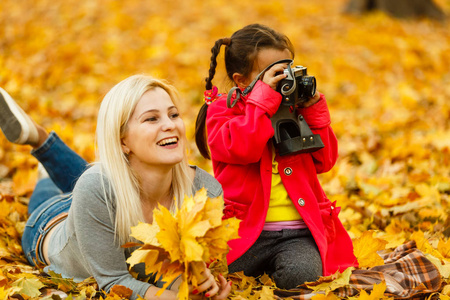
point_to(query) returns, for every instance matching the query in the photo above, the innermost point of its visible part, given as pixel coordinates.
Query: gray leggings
(289, 256)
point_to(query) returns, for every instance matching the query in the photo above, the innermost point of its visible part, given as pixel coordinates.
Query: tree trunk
(398, 8)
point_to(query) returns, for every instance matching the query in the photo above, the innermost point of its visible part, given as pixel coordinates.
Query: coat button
(301, 202)
(287, 171)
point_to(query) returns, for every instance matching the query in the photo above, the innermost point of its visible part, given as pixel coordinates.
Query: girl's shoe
(16, 125)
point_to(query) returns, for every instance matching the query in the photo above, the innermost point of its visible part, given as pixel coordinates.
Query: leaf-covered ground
(387, 82)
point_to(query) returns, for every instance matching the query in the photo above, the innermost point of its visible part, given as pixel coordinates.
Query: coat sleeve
(238, 135)
(318, 118)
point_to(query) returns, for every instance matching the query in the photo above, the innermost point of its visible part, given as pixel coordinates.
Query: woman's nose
(168, 124)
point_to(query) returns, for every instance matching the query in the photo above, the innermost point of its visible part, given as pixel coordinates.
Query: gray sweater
(84, 245)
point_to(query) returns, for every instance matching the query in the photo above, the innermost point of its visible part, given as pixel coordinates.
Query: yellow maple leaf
(446, 290)
(245, 293)
(329, 296)
(213, 211)
(395, 233)
(241, 281)
(266, 293)
(168, 235)
(365, 249)
(215, 241)
(148, 256)
(179, 243)
(156, 261)
(27, 285)
(266, 280)
(377, 292)
(189, 212)
(444, 248)
(5, 209)
(424, 245)
(192, 225)
(330, 283)
(193, 250)
(183, 290)
(145, 233)
(427, 191)
(397, 226)
(4, 293)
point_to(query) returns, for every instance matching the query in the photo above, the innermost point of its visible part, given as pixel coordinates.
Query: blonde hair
(114, 114)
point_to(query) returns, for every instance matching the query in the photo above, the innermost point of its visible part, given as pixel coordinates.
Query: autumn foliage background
(387, 82)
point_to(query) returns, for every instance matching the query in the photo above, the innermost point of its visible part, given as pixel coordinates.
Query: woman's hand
(209, 288)
(274, 75)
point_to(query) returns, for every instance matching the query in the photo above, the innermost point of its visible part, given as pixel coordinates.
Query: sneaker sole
(11, 119)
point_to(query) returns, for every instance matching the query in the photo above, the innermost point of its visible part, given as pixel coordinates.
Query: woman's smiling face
(155, 133)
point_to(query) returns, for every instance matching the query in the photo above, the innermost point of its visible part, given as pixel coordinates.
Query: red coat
(240, 142)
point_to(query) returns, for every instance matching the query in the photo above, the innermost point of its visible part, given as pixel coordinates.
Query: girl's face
(155, 134)
(264, 58)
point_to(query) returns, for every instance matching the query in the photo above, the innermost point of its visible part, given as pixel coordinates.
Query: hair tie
(211, 95)
(226, 41)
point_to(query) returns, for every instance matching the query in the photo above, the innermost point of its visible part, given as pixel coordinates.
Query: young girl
(289, 229)
(78, 221)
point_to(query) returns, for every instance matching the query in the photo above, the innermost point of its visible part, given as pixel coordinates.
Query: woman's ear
(125, 148)
(240, 80)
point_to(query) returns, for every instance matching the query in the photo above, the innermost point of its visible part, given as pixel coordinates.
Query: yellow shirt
(281, 207)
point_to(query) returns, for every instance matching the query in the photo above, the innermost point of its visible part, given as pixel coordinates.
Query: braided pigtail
(212, 67)
(200, 123)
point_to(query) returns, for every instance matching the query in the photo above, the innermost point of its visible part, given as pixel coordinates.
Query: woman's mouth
(168, 142)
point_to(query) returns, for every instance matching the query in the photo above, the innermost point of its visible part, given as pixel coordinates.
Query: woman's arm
(93, 216)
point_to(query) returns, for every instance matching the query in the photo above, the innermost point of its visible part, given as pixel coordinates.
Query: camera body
(292, 133)
(297, 87)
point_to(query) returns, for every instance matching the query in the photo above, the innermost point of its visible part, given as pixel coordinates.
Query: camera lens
(308, 89)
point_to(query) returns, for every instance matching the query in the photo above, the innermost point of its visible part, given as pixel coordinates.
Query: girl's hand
(274, 75)
(313, 100)
(210, 289)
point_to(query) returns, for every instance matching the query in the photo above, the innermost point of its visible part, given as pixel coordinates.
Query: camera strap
(249, 88)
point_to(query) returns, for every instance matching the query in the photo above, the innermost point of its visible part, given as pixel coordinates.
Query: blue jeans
(51, 196)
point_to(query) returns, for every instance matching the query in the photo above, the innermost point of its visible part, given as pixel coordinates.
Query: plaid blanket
(407, 272)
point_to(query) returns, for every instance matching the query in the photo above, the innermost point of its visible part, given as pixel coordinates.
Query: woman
(79, 219)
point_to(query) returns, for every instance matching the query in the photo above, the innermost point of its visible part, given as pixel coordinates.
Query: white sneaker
(16, 125)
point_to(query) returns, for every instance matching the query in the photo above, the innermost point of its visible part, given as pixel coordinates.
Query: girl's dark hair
(240, 53)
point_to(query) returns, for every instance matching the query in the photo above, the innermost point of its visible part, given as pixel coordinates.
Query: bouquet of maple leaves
(179, 243)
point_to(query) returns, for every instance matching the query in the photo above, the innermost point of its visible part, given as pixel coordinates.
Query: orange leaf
(121, 291)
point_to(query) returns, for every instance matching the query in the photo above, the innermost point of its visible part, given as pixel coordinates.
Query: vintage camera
(297, 87)
(292, 133)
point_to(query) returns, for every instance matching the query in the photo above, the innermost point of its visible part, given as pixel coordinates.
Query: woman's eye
(175, 115)
(151, 119)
